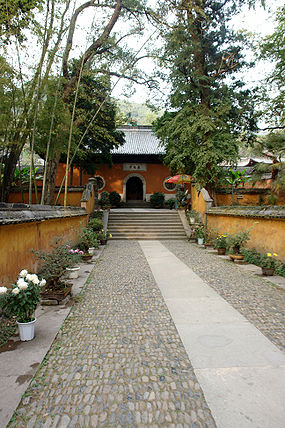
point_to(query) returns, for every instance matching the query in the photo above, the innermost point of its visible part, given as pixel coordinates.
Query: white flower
(35, 279)
(29, 277)
(3, 290)
(23, 273)
(20, 282)
(16, 291)
(43, 283)
(23, 285)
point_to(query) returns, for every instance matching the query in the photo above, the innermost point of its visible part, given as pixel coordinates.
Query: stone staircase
(146, 225)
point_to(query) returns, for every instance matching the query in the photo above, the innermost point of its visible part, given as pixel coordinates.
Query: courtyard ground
(164, 334)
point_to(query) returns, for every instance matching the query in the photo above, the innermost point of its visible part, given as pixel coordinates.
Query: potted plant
(87, 239)
(104, 201)
(236, 242)
(221, 244)
(73, 272)
(52, 267)
(103, 237)
(21, 301)
(199, 234)
(268, 264)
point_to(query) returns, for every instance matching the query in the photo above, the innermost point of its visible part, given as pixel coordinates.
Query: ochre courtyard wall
(73, 197)
(16, 241)
(267, 234)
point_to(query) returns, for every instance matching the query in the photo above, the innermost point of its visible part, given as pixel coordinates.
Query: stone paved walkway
(118, 360)
(261, 303)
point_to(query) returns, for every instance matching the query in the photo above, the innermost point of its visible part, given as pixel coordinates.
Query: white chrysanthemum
(16, 291)
(23, 273)
(3, 290)
(23, 286)
(20, 282)
(35, 280)
(43, 283)
(29, 277)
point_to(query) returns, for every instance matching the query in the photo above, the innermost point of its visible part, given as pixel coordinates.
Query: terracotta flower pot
(221, 251)
(234, 257)
(267, 271)
(86, 257)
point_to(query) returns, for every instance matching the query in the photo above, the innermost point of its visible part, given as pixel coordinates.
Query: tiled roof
(140, 140)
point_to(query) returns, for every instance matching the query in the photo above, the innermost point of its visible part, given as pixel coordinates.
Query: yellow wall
(267, 235)
(17, 240)
(73, 198)
(198, 202)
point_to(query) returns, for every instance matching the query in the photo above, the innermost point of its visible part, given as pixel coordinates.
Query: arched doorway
(134, 189)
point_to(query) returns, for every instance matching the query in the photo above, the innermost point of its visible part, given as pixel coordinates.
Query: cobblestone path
(118, 360)
(261, 303)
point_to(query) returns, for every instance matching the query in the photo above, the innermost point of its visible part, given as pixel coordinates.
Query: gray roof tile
(139, 140)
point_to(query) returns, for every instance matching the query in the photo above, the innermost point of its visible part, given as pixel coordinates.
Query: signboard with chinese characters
(134, 167)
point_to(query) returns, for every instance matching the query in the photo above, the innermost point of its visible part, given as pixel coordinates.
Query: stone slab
(233, 361)
(227, 387)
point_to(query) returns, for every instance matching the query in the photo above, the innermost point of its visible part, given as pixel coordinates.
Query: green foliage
(280, 269)
(104, 200)
(251, 256)
(209, 110)
(238, 240)
(221, 241)
(272, 49)
(157, 200)
(170, 203)
(53, 263)
(22, 299)
(115, 199)
(87, 239)
(141, 113)
(199, 231)
(97, 214)
(95, 224)
(15, 15)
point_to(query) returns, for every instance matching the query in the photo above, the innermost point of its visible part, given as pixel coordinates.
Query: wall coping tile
(22, 213)
(267, 211)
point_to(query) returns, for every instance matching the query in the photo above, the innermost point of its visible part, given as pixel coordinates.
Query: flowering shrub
(102, 236)
(22, 299)
(267, 260)
(198, 231)
(221, 241)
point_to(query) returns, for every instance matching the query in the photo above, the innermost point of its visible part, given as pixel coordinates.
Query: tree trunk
(10, 166)
(52, 165)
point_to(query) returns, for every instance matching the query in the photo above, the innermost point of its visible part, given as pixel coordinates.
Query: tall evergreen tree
(210, 112)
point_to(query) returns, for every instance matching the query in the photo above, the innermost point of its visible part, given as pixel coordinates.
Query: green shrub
(251, 256)
(280, 270)
(97, 214)
(170, 203)
(157, 200)
(104, 200)
(87, 239)
(53, 263)
(115, 199)
(95, 224)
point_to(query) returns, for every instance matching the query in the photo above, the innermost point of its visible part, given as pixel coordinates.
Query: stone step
(146, 225)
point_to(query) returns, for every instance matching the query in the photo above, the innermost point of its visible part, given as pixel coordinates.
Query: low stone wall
(26, 227)
(267, 225)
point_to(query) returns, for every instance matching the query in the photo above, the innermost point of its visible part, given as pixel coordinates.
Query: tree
(210, 112)
(272, 148)
(235, 178)
(105, 50)
(272, 48)
(15, 15)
